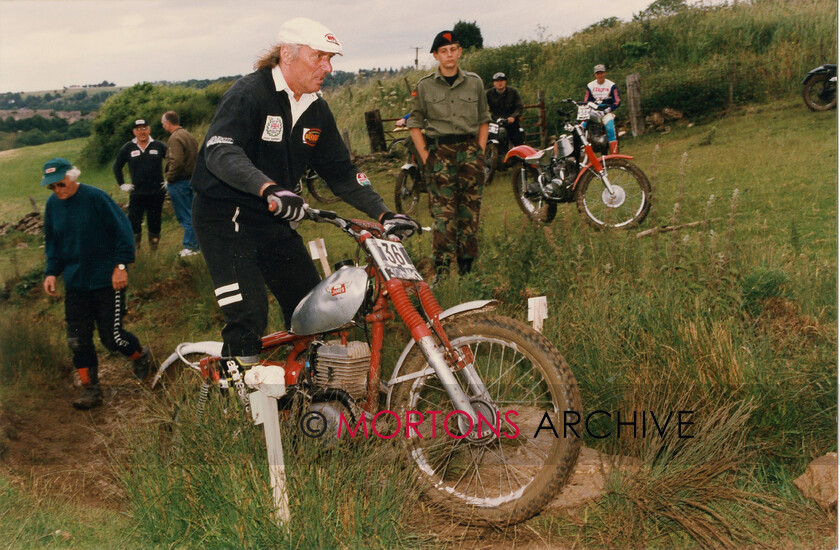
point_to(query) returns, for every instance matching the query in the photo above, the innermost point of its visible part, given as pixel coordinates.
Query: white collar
(134, 141)
(298, 106)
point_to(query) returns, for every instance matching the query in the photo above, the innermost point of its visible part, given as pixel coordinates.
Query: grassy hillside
(736, 321)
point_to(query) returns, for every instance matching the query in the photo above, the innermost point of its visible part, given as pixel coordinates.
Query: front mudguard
(823, 69)
(213, 349)
(585, 167)
(467, 308)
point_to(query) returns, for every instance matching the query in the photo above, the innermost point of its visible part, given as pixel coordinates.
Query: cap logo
(448, 36)
(49, 170)
(330, 37)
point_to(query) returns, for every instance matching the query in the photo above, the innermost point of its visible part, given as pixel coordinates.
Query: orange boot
(614, 147)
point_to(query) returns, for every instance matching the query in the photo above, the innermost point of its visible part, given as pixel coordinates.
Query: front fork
(443, 359)
(595, 163)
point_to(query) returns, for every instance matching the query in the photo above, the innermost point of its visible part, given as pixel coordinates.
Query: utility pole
(416, 56)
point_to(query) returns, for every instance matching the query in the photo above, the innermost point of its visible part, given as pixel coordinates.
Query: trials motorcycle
(610, 191)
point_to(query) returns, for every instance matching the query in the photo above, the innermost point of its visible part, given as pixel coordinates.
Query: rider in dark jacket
(505, 102)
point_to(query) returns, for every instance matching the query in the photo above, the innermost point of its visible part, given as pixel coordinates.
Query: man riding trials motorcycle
(604, 93)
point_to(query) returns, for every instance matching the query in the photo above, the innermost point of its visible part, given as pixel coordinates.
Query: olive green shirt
(444, 110)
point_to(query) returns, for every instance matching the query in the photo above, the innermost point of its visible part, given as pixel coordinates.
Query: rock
(819, 482)
(671, 114)
(589, 477)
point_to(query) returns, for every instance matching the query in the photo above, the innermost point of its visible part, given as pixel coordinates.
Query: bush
(112, 127)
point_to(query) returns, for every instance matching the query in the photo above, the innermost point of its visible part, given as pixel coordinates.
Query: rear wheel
(317, 187)
(509, 472)
(407, 190)
(820, 93)
(626, 207)
(529, 196)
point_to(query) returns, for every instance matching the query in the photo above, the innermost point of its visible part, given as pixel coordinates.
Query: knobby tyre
(626, 208)
(491, 162)
(318, 188)
(528, 196)
(819, 93)
(407, 190)
(494, 480)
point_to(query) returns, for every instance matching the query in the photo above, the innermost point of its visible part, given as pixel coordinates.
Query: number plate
(583, 112)
(392, 259)
(494, 128)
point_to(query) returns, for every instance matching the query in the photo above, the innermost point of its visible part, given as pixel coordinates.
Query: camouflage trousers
(456, 183)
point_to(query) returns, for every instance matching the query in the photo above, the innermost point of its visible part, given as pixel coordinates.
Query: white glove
(163, 185)
(127, 187)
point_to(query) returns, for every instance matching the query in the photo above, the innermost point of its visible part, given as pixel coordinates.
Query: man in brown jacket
(180, 162)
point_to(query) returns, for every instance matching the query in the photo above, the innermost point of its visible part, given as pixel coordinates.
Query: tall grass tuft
(29, 351)
(207, 484)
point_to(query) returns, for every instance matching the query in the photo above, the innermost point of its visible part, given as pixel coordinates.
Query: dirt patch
(59, 451)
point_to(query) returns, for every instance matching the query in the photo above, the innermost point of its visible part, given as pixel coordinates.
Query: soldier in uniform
(451, 106)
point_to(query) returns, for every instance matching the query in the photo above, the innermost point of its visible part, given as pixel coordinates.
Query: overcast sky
(50, 44)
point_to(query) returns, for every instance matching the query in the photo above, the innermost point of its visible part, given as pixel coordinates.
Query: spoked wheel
(820, 93)
(491, 162)
(317, 187)
(529, 197)
(626, 207)
(503, 475)
(398, 148)
(407, 190)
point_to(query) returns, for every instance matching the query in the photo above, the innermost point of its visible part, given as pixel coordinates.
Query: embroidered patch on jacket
(362, 179)
(311, 135)
(135, 153)
(215, 140)
(153, 152)
(273, 128)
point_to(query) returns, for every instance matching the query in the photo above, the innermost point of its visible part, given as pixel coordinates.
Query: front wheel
(820, 93)
(491, 161)
(507, 472)
(529, 195)
(626, 207)
(317, 187)
(407, 190)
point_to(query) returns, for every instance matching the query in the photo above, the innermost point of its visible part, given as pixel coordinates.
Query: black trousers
(152, 206)
(246, 251)
(514, 133)
(103, 308)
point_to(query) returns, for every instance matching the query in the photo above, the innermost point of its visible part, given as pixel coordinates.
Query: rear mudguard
(585, 167)
(466, 308)
(207, 348)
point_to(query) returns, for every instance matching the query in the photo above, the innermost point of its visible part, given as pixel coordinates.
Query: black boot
(153, 242)
(91, 397)
(464, 266)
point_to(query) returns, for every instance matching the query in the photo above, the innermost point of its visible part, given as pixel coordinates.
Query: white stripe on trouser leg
(117, 321)
(230, 300)
(227, 288)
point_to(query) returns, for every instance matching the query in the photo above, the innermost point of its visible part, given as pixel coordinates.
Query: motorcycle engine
(342, 366)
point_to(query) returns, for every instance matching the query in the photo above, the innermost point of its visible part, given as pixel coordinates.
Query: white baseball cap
(301, 30)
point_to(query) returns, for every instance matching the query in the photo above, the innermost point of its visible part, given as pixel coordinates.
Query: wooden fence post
(543, 123)
(373, 121)
(345, 135)
(634, 98)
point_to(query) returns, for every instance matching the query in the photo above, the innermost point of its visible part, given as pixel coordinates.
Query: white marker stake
(318, 251)
(264, 411)
(537, 311)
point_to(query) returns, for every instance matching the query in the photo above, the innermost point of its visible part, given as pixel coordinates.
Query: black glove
(399, 225)
(284, 203)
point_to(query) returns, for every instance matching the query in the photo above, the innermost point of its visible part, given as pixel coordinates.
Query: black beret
(443, 38)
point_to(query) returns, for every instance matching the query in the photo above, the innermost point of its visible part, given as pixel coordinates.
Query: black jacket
(506, 104)
(251, 141)
(144, 167)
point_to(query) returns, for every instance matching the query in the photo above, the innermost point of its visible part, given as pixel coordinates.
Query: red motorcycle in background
(610, 191)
